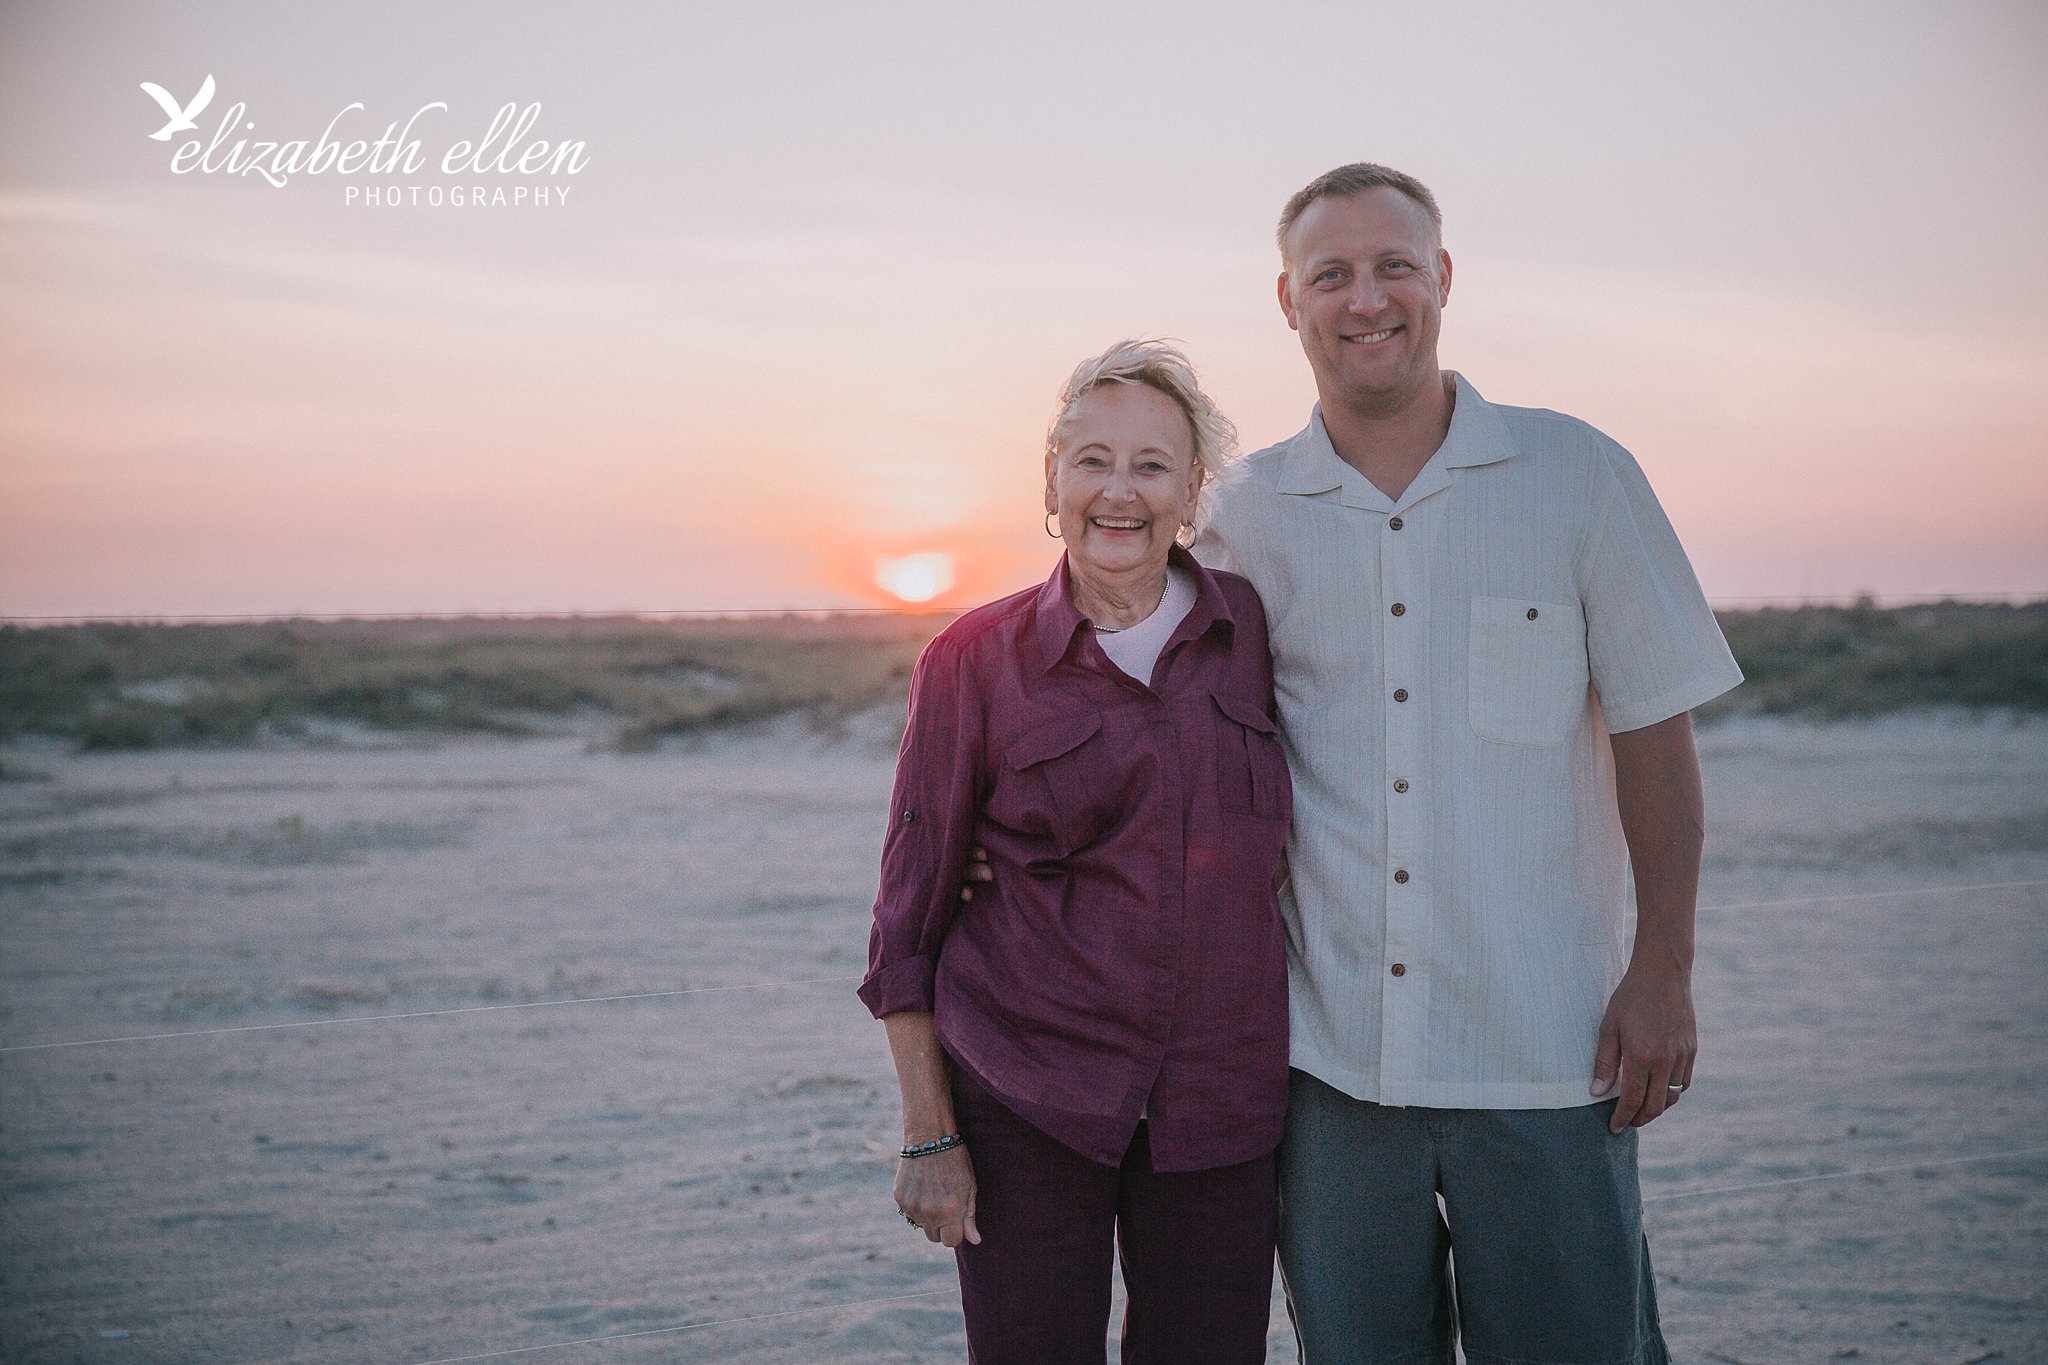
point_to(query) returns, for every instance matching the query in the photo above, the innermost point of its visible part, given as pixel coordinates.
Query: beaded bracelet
(934, 1147)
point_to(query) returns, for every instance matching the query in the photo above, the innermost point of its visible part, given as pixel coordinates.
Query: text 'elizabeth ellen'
(503, 150)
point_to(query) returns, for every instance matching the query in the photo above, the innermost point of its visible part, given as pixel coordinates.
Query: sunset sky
(805, 308)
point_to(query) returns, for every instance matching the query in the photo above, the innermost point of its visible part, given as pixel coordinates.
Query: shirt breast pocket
(1049, 790)
(1526, 677)
(1251, 769)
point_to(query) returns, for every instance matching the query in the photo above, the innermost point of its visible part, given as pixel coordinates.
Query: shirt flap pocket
(1246, 713)
(1050, 741)
(1526, 673)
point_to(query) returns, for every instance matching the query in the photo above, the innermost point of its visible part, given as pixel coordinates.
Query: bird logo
(181, 119)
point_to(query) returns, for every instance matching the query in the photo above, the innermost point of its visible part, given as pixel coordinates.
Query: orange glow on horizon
(916, 578)
(978, 568)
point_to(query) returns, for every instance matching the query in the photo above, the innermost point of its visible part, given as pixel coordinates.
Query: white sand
(425, 1188)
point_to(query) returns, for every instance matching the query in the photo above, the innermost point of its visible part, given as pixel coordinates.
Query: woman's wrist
(915, 1134)
(945, 1142)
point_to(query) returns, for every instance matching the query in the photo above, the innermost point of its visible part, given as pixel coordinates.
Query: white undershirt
(1135, 649)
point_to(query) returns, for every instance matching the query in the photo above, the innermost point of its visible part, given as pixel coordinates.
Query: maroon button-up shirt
(1129, 957)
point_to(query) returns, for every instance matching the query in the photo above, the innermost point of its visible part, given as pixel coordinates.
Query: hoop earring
(1048, 528)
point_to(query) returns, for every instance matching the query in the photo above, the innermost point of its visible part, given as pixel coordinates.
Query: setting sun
(916, 578)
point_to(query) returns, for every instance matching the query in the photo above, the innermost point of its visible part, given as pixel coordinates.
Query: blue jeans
(1541, 1218)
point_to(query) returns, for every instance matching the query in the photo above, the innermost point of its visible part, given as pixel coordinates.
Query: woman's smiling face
(1123, 479)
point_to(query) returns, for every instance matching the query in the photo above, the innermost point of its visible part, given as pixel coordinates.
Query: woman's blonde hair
(1160, 365)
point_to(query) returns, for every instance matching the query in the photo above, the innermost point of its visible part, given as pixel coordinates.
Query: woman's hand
(937, 1194)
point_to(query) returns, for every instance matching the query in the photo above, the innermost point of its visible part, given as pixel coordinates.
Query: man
(1487, 642)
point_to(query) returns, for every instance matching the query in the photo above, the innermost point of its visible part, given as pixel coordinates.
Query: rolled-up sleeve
(1653, 646)
(931, 828)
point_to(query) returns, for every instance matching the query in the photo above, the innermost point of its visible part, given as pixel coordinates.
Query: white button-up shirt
(1449, 664)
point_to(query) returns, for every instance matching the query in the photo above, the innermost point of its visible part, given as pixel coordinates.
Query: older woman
(1093, 1051)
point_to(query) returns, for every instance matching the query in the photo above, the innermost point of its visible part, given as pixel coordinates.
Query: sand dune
(499, 1170)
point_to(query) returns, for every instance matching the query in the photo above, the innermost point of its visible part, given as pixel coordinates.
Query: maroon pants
(1196, 1249)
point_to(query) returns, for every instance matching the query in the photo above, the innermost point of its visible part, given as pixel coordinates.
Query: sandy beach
(506, 1158)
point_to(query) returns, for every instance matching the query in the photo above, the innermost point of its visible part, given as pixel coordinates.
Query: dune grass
(636, 681)
(147, 686)
(1862, 660)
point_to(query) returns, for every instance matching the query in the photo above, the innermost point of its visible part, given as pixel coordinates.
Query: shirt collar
(1478, 436)
(1056, 621)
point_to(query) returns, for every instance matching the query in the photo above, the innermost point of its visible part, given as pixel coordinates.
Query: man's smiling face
(1365, 285)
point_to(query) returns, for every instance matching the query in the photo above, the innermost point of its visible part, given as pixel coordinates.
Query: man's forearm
(1663, 817)
(1648, 1038)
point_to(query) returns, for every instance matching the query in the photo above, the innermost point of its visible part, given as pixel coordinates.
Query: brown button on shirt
(1128, 958)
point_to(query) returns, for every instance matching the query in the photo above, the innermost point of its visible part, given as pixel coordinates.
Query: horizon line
(1986, 597)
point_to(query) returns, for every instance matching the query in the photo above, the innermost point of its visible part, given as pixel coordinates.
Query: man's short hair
(1357, 178)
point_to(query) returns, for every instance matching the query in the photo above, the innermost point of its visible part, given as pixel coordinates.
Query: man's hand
(1648, 1041)
(978, 870)
(937, 1194)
